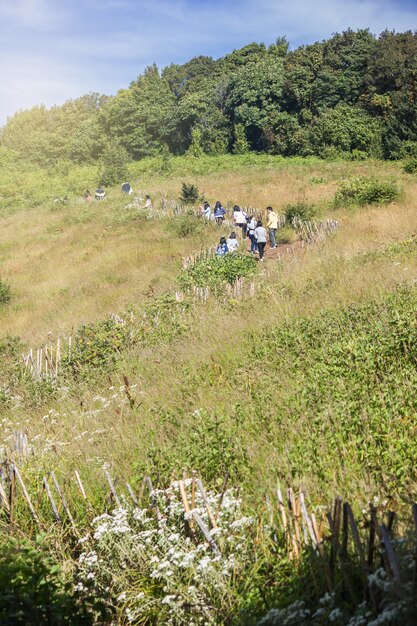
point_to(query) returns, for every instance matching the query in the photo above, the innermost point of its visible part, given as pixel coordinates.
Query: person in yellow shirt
(272, 225)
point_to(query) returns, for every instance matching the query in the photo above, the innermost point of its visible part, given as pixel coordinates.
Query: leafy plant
(218, 271)
(410, 167)
(32, 590)
(97, 344)
(189, 193)
(5, 292)
(285, 235)
(184, 226)
(299, 210)
(363, 190)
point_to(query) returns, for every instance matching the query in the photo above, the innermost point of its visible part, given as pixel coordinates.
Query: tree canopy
(354, 94)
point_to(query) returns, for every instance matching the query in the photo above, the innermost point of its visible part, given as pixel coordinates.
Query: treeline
(353, 95)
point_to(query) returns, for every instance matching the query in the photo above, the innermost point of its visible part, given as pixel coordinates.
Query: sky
(55, 50)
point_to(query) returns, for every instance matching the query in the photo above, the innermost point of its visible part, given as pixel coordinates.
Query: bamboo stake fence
(331, 541)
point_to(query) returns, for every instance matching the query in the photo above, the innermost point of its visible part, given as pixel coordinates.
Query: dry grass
(65, 272)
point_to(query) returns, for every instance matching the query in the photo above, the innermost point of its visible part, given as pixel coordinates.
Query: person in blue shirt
(219, 213)
(222, 248)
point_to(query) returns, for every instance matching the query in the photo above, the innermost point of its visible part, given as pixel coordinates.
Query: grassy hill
(311, 382)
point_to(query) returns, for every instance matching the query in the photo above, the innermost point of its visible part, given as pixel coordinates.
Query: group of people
(249, 227)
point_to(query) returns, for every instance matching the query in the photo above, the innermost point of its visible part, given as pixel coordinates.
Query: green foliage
(346, 129)
(285, 235)
(113, 169)
(299, 210)
(189, 193)
(352, 372)
(5, 292)
(364, 190)
(218, 271)
(97, 344)
(353, 94)
(32, 589)
(410, 167)
(196, 147)
(184, 226)
(240, 145)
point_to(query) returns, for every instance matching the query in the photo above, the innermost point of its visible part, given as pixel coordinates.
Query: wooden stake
(64, 503)
(51, 500)
(205, 532)
(112, 488)
(132, 494)
(80, 485)
(26, 495)
(206, 502)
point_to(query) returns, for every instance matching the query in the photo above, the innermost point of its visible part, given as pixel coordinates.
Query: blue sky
(54, 50)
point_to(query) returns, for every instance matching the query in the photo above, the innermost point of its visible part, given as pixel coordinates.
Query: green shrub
(364, 190)
(98, 344)
(5, 293)
(299, 210)
(285, 235)
(410, 166)
(32, 591)
(185, 226)
(189, 193)
(217, 272)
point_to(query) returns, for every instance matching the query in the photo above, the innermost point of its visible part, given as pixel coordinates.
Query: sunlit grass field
(74, 263)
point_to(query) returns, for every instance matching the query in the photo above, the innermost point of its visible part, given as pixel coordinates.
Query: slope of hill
(309, 381)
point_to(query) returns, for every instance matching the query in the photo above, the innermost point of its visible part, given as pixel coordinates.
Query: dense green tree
(347, 129)
(254, 92)
(351, 93)
(136, 117)
(113, 165)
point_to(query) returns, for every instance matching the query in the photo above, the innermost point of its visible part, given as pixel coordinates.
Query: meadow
(309, 383)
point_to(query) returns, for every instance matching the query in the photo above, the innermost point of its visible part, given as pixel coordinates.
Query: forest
(353, 95)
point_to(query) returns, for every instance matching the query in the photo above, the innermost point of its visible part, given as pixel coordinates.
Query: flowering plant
(158, 564)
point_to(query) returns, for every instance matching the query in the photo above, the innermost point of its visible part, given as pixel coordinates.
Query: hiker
(240, 219)
(232, 242)
(100, 193)
(87, 195)
(206, 210)
(148, 203)
(251, 234)
(260, 236)
(272, 225)
(222, 248)
(219, 213)
(126, 188)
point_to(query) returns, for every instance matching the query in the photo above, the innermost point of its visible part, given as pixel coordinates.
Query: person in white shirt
(240, 219)
(232, 243)
(206, 210)
(251, 234)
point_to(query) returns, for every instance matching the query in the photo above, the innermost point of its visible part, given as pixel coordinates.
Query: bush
(185, 226)
(32, 591)
(189, 193)
(217, 272)
(300, 210)
(5, 293)
(364, 190)
(98, 344)
(285, 235)
(410, 167)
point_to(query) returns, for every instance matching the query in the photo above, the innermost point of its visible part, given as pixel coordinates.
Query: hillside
(308, 381)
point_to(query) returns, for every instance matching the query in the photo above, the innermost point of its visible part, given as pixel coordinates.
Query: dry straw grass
(64, 273)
